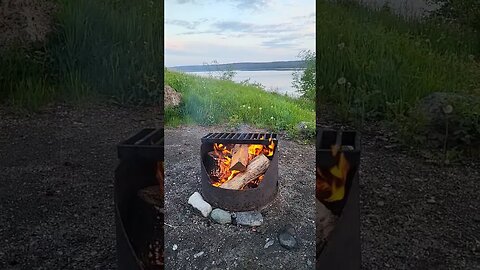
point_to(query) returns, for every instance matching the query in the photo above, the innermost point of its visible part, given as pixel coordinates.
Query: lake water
(279, 81)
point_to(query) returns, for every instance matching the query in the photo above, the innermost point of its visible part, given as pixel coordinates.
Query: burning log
(256, 168)
(239, 158)
(152, 195)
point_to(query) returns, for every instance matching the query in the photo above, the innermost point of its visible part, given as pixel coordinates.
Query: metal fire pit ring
(137, 155)
(240, 200)
(343, 249)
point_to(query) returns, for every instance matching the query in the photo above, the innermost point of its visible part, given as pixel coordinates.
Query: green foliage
(304, 80)
(385, 62)
(209, 101)
(109, 49)
(466, 12)
(113, 48)
(24, 81)
(376, 65)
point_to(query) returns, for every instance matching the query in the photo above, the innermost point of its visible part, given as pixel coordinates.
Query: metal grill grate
(233, 138)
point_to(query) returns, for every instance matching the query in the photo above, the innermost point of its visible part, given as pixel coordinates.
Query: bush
(466, 12)
(304, 80)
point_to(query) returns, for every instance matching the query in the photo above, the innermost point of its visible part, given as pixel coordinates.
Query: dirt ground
(56, 199)
(25, 21)
(229, 246)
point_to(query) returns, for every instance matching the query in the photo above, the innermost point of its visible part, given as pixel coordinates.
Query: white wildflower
(342, 81)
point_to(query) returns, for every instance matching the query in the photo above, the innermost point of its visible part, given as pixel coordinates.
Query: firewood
(256, 168)
(239, 157)
(152, 195)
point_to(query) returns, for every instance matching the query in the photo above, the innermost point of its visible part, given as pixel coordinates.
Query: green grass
(389, 62)
(107, 50)
(373, 65)
(208, 101)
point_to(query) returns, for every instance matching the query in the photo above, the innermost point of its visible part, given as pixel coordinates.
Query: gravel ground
(229, 246)
(56, 185)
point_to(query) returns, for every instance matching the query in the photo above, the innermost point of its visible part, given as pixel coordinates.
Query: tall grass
(24, 78)
(374, 63)
(110, 49)
(212, 101)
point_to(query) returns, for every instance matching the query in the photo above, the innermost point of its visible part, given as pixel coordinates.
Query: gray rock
(286, 238)
(196, 200)
(198, 254)
(249, 218)
(171, 97)
(305, 129)
(269, 243)
(433, 108)
(221, 216)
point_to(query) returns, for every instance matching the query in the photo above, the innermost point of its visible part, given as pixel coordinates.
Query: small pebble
(198, 254)
(269, 243)
(286, 238)
(221, 216)
(380, 203)
(175, 247)
(431, 200)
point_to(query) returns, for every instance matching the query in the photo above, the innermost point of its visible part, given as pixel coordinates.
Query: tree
(305, 80)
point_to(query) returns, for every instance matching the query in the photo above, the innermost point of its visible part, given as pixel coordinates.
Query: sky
(203, 31)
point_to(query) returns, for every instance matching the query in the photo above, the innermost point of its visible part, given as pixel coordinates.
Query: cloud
(186, 24)
(241, 27)
(251, 4)
(185, 1)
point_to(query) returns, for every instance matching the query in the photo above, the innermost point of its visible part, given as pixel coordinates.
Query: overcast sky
(200, 31)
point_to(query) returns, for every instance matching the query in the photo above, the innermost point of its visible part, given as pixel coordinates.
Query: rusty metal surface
(148, 144)
(239, 200)
(136, 170)
(325, 139)
(342, 250)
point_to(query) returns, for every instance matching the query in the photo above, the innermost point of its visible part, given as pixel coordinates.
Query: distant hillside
(250, 66)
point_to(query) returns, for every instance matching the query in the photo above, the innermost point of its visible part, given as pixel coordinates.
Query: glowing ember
(331, 182)
(223, 157)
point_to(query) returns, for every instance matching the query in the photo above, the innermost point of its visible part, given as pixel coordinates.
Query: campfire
(240, 166)
(239, 170)
(331, 181)
(337, 194)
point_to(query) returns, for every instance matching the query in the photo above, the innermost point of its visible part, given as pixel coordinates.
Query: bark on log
(257, 167)
(152, 195)
(239, 157)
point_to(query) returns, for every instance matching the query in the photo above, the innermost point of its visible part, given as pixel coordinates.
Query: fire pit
(139, 201)
(239, 171)
(338, 160)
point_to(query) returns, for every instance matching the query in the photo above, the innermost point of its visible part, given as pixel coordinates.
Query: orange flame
(331, 183)
(223, 156)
